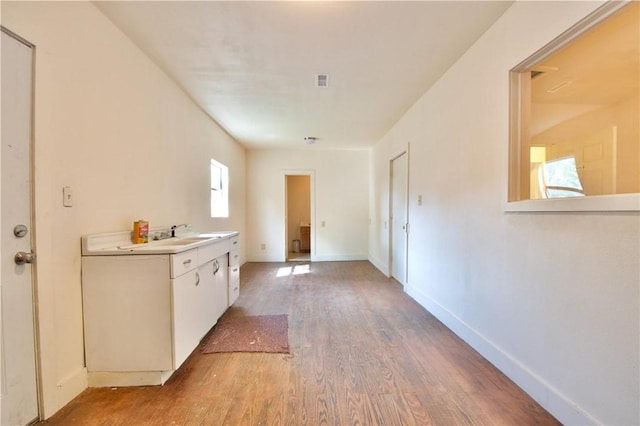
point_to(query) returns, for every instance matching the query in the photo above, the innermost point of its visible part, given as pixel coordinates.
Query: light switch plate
(67, 198)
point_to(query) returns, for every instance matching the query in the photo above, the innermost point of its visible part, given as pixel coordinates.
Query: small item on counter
(140, 232)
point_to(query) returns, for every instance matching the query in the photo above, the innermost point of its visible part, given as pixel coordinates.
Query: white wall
(340, 199)
(128, 141)
(551, 299)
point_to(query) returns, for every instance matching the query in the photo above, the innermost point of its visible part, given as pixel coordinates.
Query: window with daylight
(219, 189)
(575, 117)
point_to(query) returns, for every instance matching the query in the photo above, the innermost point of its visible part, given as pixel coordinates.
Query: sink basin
(184, 241)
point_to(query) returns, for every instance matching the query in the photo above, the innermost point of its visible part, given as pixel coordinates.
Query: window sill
(601, 203)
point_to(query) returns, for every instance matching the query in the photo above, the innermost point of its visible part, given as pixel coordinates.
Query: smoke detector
(322, 80)
(309, 140)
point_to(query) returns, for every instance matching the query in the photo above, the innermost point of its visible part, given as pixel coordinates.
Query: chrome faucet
(174, 227)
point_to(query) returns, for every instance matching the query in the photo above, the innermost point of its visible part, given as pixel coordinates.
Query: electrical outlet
(263, 246)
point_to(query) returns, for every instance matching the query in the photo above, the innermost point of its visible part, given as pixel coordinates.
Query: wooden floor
(362, 353)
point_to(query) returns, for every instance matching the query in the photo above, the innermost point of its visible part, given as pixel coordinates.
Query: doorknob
(21, 258)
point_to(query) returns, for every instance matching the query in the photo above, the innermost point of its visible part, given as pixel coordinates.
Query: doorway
(398, 197)
(298, 217)
(18, 373)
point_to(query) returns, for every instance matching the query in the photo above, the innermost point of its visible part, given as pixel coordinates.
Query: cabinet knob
(197, 279)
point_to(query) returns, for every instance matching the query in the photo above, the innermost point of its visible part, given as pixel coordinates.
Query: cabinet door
(215, 300)
(208, 314)
(221, 286)
(187, 323)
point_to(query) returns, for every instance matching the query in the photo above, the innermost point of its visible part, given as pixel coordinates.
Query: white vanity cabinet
(145, 314)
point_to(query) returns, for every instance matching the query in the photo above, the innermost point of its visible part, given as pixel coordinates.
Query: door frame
(390, 227)
(32, 228)
(312, 207)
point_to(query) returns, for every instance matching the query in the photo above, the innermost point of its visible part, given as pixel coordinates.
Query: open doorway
(298, 217)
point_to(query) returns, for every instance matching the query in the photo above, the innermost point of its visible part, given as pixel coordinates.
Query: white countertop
(119, 243)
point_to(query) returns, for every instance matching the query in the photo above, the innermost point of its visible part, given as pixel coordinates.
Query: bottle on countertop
(140, 232)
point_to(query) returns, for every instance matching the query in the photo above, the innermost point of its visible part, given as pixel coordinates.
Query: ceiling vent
(539, 70)
(536, 73)
(322, 80)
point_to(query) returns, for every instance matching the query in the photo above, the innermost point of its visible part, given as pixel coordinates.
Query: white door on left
(19, 398)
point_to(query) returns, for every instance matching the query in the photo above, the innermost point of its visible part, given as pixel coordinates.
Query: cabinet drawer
(234, 291)
(234, 257)
(234, 283)
(212, 251)
(234, 243)
(234, 273)
(183, 262)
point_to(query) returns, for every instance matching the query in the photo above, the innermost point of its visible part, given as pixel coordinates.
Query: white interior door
(399, 187)
(18, 365)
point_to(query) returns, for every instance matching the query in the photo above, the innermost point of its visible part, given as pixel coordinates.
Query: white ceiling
(252, 65)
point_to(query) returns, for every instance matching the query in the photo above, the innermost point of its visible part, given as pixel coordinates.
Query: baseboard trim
(339, 258)
(68, 388)
(265, 258)
(561, 407)
(331, 258)
(380, 266)
(102, 379)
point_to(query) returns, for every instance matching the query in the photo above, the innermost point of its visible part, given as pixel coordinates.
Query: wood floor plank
(362, 353)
